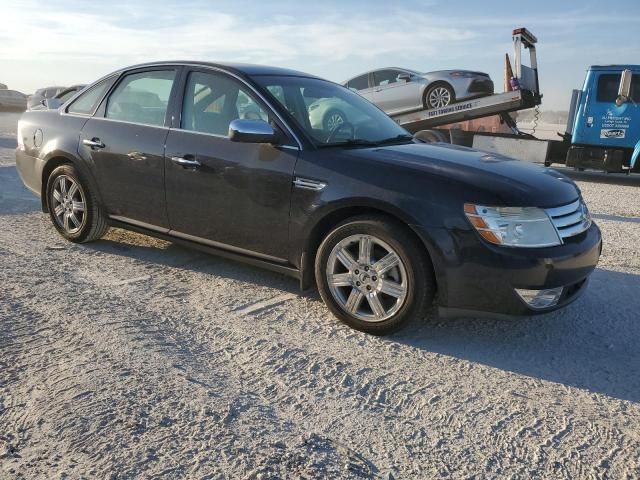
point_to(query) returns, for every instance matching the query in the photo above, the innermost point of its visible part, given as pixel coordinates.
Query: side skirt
(274, 267)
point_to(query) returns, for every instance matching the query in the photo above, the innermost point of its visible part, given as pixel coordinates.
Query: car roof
(247, 69)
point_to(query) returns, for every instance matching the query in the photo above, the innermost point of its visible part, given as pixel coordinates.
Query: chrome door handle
(93, 143)
(186, 161)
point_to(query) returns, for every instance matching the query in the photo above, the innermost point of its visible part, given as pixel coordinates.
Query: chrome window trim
(191, 66)
(105, 119)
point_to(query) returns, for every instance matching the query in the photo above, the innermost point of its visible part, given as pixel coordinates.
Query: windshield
(332, 114)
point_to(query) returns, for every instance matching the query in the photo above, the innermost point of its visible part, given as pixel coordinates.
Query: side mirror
(624, 91)
(251, 131)
(404, 77)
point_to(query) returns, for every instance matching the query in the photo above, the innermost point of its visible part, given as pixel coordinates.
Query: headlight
(513, 226)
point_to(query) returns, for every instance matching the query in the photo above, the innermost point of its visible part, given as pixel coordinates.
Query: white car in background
(399, 90)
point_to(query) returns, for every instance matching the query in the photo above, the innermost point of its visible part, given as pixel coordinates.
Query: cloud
(100, 37)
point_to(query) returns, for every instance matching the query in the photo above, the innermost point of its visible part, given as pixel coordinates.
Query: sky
(63, 42)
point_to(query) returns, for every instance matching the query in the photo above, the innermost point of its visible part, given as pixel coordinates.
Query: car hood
(487, 175)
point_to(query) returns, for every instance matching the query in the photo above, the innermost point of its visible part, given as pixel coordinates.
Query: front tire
(73, 208)
(374, 275)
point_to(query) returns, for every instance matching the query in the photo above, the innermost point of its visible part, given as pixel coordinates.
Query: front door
(227, 194)
(393, 94)
(126, 147)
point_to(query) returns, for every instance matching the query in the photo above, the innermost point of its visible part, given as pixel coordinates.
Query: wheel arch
(330, 219)
(433, 84)
(54, 161)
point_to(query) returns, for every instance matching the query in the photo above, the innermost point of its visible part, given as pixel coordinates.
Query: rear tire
(438, 95)
(389, 281)
(74, 210)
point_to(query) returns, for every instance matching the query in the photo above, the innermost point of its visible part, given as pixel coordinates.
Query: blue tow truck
(603, 128)
(604, 120)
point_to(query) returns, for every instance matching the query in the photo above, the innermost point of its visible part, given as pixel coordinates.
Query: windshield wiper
(397, 138)
(359, 142)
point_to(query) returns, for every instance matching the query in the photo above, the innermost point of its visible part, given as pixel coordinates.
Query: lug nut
(368, 287)
(374, 278)
(357, 272)
(357, 284)
(366, 269)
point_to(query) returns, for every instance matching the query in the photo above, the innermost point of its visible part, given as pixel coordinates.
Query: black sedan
(225, 158)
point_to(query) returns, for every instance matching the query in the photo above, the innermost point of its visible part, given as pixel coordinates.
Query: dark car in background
(12, 101)
(41, 95)
(226, 158)
(59, 99)
(397, 90)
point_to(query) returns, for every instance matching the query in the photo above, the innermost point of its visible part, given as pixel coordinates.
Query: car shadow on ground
(592, 344)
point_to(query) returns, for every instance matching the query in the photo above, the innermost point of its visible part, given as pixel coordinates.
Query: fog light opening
(539, 299)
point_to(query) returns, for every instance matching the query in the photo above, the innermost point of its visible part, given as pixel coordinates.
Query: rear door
(362, 86)
(125, 143)
(392, 94)
(233, 195)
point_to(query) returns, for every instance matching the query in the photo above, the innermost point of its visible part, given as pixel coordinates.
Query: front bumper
(476, 278)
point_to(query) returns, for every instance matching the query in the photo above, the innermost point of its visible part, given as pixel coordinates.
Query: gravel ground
(134, 358)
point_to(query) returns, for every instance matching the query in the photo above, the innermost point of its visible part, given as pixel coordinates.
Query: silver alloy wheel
(367, 278)
(334, 121)
(439, 97)
(68, 204)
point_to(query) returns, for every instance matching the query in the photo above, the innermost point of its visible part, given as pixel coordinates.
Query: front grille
(570, 220)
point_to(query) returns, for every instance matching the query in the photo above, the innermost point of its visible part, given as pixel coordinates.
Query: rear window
(608, 84)
(142, 97)
(86, 103)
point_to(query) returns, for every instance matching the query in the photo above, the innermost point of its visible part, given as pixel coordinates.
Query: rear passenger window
(213, 100)
(86, 103)
(142, 97)
(359, 83)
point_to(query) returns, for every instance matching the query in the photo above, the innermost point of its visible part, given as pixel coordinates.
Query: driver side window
(213, 100)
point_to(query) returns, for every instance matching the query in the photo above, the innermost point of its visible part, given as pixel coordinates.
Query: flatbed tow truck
(605, 140)
(423, 122)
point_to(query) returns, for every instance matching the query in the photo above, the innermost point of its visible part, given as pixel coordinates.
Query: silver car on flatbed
(398, 90)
